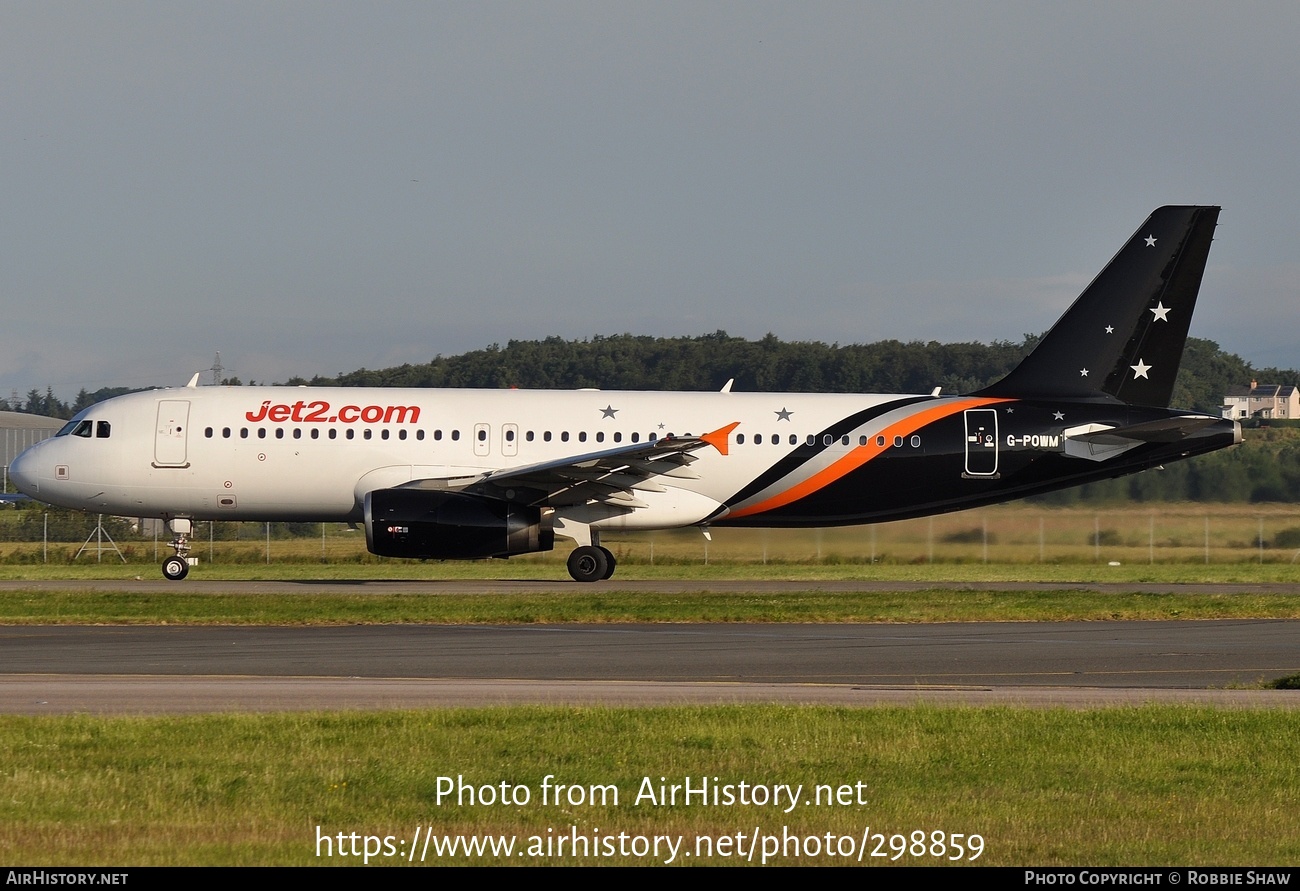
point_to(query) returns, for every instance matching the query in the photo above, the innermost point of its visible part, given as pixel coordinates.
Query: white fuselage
(311, 454)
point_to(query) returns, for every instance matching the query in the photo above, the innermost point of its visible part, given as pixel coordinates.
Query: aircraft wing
(612, 476)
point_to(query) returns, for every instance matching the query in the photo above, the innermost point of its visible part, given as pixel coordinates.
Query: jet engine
(452, 526)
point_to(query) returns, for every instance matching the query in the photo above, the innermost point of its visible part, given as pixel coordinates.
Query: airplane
(468, 474)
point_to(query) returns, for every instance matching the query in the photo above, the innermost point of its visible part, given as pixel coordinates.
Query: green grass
(578, 603)
(1154, 785)
(552, 568)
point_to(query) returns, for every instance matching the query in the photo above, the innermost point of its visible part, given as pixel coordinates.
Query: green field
(1113, 786)
(572, 603)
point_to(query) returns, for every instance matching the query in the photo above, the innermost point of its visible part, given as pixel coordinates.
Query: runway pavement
(143, 669)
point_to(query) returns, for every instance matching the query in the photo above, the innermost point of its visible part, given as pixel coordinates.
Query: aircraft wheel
(609, 558)
(588, 564)
(175, 568)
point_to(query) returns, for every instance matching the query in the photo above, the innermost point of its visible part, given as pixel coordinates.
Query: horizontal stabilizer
(1163, 430)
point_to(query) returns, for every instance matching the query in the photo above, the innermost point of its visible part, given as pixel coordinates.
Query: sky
(313, 187)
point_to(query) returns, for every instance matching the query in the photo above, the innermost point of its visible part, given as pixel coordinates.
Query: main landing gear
(177, 567)
(591, 563)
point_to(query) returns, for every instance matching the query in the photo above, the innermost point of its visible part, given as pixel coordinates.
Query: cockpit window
(67, 428)
(83, 429)
(103, 429)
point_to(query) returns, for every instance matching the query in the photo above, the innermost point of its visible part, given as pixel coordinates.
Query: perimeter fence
(1010, 534)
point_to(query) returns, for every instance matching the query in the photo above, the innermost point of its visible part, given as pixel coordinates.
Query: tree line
(707, 362)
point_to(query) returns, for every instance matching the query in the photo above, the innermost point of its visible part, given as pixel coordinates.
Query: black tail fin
(1123, 337)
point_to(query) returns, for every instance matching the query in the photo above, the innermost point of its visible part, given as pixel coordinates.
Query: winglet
(720, 439)
(194, 381)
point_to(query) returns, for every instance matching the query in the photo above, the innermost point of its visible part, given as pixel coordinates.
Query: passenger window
(653, 437)
(437, 436)
(368, 433)
(207, 432)
(898, 442)
(812, 440)
(564, 437)
(419, 434)
(600, 436)
(510, 436)
(618, 437)
(916, 442)
(455, 436)
(225, 433)
(582, 437)
(279, 433)
(261, 433)
(880, 440)
(740, 439)
(636, 437)
(530, 436)
(351, 434)
(297, 433)
(546, 437)
(401, 434)
(482, 436)
(862, 440)
(334, 434)
(243, 433)
(794, 440)
(827, 439)
(315, 433)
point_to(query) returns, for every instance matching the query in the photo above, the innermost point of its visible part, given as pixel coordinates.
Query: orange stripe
(860, 455)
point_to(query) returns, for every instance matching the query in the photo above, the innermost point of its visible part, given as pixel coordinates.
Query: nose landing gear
(177, 567)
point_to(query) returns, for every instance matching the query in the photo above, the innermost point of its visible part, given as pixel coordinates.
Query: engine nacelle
(451, 526)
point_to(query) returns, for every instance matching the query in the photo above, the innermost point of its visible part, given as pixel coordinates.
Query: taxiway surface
(141, 669)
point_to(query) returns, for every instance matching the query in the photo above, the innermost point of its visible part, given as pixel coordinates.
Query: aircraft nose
(24, 473)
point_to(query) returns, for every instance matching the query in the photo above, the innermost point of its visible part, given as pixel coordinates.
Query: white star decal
(1140, 370)
(1160, 311)
(1151, 241)
(1057, 416)
(1083, 372)
(1110, 329)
